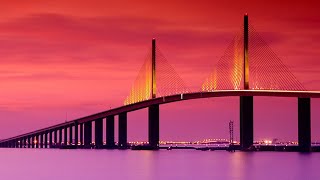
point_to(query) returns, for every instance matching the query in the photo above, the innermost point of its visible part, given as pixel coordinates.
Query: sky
(60, 60)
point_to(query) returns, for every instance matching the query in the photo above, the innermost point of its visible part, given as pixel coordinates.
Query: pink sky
(81, 57)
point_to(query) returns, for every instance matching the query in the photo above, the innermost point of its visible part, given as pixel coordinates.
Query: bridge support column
(76, 134)
(60, 136)
(304, 124)
(122, 130)
(246, 122)
(70, 135)
(50, 138)
(87, 134)
(65, 136)
(37, 141)
(46, 139)
(110, 131)
(98, 133)
(16, 143)
(29, 141)
(154, 126)
(32, 141)
(25, 142)
(55, 137)
(81, 134)
(41, 141)
(20, 143)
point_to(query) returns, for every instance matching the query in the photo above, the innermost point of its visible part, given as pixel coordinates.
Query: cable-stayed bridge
(247, 68)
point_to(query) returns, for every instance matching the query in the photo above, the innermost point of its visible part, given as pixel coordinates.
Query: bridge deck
(175, 98)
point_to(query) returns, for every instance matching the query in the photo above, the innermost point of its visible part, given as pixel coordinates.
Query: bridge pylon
(153, 110)
(245, 53)
(153, 79)
(246, 102)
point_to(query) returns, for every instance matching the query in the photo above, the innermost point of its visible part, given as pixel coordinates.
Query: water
(53, 164)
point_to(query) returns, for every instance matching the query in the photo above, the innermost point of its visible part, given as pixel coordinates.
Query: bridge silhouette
(157, 83)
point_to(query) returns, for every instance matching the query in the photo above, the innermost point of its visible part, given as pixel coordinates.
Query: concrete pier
(50, 138)
(65, 135)
(122, 130)
(70, 135)
(87, 134)
(304, 124)
(40, 140)
(76, 134)
(81, 134)
(246, 122)
(46, 139)
(60, 136)
(55, 137)
(98, 133)
(110, 131)
(37, 140)
(153, 120)
(29, 141)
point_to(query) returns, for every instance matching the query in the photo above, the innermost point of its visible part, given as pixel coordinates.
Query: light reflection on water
(52, 164)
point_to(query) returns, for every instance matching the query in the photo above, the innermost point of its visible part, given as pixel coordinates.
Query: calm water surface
(53, 164)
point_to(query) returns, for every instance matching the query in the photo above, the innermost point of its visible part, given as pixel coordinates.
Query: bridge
(157, 83)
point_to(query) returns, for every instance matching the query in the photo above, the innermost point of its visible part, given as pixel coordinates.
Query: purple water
(53, 164)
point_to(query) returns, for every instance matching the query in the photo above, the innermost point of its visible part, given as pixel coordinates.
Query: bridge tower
(245, 52)
(246, 102)
(153, 110)
(153, 73)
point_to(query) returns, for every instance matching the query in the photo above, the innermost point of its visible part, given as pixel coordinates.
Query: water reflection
(52, 164)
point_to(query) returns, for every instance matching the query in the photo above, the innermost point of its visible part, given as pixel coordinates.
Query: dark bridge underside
(175, 98)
